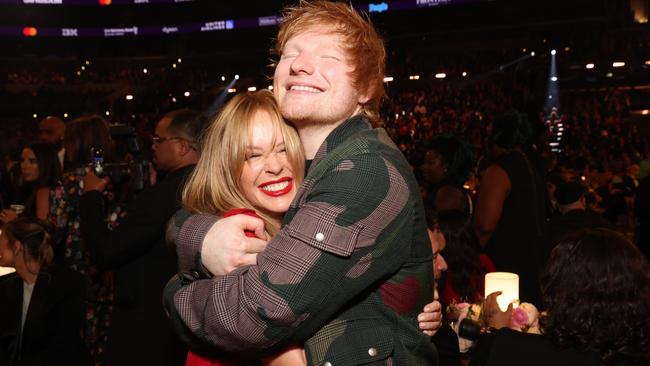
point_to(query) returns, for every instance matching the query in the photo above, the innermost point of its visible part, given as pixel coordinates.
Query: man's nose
(302, 64)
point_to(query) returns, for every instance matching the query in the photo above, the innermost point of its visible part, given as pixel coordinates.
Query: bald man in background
(50, 130)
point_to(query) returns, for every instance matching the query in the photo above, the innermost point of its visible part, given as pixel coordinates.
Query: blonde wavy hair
(214, 186)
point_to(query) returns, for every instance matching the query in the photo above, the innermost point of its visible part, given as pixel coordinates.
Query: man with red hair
(351, 268)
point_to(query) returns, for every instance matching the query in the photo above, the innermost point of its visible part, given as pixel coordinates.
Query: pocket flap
(321, 229)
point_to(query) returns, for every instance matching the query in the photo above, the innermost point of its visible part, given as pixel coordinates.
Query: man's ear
(365, 97)
(185, 147)
(18, 247)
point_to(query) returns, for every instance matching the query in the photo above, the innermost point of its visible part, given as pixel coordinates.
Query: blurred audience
(135, 249)
(510, 217)
(572, 203)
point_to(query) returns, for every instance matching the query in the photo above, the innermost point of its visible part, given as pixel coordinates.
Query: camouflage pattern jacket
(345, 277)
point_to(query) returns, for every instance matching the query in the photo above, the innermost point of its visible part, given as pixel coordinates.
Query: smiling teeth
(276, 186)
(305, 88)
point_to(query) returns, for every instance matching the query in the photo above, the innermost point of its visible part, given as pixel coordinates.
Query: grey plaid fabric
(346, 276)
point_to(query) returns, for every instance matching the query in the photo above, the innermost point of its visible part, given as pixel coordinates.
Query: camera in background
(134, 170)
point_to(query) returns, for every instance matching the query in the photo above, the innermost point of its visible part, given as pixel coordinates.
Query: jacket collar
(341, 133)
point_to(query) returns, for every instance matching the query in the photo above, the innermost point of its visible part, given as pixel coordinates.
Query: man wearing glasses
(174, 144)
(135, 250)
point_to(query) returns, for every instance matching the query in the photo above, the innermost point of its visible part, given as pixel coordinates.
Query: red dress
(196, 360)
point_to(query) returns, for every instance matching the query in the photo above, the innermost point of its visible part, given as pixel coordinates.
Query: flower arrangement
(525, 318)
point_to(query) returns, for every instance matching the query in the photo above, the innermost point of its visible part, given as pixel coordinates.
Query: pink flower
(531, 312)
(519, 318)
(525, 316)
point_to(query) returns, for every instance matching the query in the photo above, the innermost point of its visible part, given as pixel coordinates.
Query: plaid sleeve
(188, 231)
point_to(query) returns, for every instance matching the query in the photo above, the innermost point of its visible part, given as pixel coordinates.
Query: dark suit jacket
(446, 341)
(52, 331)
(508, 347)
(140, 333)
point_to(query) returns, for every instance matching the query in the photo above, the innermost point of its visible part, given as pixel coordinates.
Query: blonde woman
(253, 163)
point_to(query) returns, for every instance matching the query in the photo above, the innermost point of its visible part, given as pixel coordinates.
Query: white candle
(6, 270)
(507, 283)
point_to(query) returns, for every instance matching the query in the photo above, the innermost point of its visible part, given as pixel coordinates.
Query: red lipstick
(280, 192)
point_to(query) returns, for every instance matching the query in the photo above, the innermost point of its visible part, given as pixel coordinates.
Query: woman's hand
(494, 317)
(431, 319)
(8, 215)
(94, 183)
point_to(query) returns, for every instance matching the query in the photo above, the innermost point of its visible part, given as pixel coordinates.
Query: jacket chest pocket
(320, 228)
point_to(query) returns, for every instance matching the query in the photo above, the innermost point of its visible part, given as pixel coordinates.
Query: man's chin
(297, 113)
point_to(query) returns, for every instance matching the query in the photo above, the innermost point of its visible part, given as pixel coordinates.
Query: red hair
(362, 44)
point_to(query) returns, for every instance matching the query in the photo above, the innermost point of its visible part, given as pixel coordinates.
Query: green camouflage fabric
(345, 277)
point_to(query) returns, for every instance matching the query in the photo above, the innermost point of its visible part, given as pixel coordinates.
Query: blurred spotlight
(270, 87)
(532, 53)
(65, 115)
(644, 112)
(174, 65)
(464, 74)
(35, 115)
(236, 76)
(87, 62)
(187, 94)
(388, 79)
(252, 88)
(179, 60)
(590, 66)
(232, 90)
(83, 67)
(30, 32)
(609, 75)
(108, 113)
(173, 99)
(223, 78)
(553, 52)
(145, 71)
(129, 97)
(553, 78)
(618, 64)
(441, 75)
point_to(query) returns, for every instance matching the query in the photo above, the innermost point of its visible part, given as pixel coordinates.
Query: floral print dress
(70, 250)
